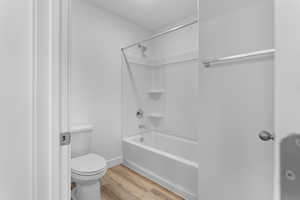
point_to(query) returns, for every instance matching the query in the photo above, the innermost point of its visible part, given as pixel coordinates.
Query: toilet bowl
(86, 173)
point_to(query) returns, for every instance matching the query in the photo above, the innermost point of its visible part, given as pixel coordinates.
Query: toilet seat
(88, 165)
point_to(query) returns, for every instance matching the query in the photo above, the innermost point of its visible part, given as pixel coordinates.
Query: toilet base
(89, 191)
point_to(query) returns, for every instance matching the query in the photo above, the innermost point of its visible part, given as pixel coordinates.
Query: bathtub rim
(161, 152)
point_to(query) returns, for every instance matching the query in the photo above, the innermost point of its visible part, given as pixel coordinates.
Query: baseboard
(114, 162)
(150, 175)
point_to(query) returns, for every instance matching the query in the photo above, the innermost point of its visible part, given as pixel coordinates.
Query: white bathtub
(167, 160)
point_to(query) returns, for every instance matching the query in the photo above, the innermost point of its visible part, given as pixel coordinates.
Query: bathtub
(170, 161)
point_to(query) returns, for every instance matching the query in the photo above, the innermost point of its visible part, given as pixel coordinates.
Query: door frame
(51, 65)
(65, 96)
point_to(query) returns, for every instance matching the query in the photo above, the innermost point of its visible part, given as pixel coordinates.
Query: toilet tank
(81, 140)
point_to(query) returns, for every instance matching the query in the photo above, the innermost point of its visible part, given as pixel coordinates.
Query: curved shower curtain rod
(161, 34)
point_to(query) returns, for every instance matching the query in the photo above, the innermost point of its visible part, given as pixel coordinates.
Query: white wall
(16, 100)
(178, 42)
(236, 103)
(286, 80)
(97, 37)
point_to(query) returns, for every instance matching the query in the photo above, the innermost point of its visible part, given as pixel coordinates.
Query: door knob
(266, 136)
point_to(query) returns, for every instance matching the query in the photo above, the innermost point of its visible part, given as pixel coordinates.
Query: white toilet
(86, 168)
(86, 173)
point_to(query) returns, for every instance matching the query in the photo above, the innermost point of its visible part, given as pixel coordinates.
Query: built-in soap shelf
(155, 115)
(82, 128)
(155, 91)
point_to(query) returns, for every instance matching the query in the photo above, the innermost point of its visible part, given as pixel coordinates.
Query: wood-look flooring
(121, 183)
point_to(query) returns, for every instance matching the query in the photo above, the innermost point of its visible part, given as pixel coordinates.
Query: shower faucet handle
(266, 136)
(140, 113)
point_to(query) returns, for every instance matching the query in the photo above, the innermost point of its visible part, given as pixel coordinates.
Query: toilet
(86, 173)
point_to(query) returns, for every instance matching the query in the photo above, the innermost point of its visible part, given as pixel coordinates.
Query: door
(236, 101)
(287, 84)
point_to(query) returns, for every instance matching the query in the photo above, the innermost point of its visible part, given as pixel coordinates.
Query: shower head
(143, 49)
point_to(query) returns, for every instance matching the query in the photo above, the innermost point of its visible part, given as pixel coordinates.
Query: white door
(237, 102)
(287, 81)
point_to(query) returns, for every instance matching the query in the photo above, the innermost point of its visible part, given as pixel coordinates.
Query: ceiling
(212, 8)
(155, 15)
(151, 14)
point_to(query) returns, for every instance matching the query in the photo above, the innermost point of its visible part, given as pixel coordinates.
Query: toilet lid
(89, 164)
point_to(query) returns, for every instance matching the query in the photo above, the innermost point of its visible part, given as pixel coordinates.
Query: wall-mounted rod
(161, 34)
(210, 62)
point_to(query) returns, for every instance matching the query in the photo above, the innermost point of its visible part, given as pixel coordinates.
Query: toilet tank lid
(88, 163)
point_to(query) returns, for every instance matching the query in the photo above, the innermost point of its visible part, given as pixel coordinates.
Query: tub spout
(142, 127)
